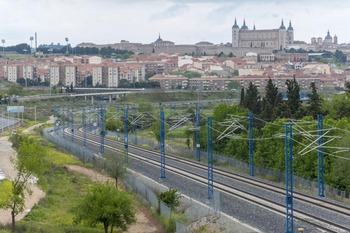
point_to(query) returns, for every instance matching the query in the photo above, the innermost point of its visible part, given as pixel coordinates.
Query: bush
(171, 198)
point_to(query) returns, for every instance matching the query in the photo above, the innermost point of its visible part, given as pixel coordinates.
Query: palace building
(263, 38)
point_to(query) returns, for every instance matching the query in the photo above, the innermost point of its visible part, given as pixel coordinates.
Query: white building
(54, 75)
(12, 73)
(113, 79)
(70, 76)
(97, 75)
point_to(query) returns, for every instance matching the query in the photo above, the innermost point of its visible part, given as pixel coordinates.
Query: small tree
(171, 198)
(315, 101)
(241, 101)
(294, 102)
(116, 166)
(30, 161)
(252, 99)
(107, 205)
(347, 88)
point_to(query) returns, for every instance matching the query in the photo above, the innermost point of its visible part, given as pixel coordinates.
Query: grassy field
(63, 190)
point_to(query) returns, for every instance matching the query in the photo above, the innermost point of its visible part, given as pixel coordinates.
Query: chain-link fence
(182, 228)
(84, 153)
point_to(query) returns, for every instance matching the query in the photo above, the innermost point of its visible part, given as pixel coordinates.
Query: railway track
(151, 157)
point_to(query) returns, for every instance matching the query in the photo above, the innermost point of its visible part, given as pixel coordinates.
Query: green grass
(63, 190)
(60, 158)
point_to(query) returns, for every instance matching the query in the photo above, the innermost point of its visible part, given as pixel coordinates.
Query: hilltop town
(253, 56)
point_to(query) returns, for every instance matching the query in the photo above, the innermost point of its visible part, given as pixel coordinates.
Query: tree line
(271, 113)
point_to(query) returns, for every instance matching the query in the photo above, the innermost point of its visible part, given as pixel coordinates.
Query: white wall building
(97, 75)
(54, 75)
(70, 75)
(12, 73)
(113, 79)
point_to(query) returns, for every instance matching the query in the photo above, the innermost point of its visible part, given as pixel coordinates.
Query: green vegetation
(29, 162)
(116, 166)
(63, 190)
(171, 198)
(272, 113)
(6, 190)
(104, 204)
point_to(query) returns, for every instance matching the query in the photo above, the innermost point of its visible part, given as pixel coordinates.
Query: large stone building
(264, 38)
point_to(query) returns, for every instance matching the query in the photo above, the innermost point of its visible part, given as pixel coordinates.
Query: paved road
(4, 122)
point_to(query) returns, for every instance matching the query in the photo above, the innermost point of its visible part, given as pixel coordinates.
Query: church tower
(282, 34)
(235, 35)
(335, 39)
(290, 33)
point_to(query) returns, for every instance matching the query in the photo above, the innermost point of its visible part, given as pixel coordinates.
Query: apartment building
(212, 83)
(70, 76)
(12, 73)
(168, 82)
(54, 74)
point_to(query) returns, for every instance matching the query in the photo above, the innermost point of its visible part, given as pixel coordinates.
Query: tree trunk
(13, 227)
(105, 225)
(116, 182)
(112, 228)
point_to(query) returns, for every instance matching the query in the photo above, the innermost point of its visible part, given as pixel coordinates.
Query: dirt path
(6, 153)
(145, 221)
(7, 168)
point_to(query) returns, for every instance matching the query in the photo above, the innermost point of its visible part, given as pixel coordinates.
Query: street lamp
(67, 46)
(50, 51)
(25, 68)
(3, 47)
(31, 44)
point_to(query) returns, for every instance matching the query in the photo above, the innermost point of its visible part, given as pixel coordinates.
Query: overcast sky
(180, 21)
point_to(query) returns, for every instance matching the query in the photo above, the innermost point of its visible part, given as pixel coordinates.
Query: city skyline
(180, 21)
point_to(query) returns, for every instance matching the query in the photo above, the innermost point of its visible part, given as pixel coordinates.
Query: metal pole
(135, 127)
(72, 124)
(63, 122)
(210, 157)
(162, 144)
(102, 129)
(320, 156)
(289, 178)
(84, 124)
(126, 135)
(251, 142)
(55, 110)
(50, 82)
(118, 123)
(95, 119)
(198, 133)
(90, 119)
